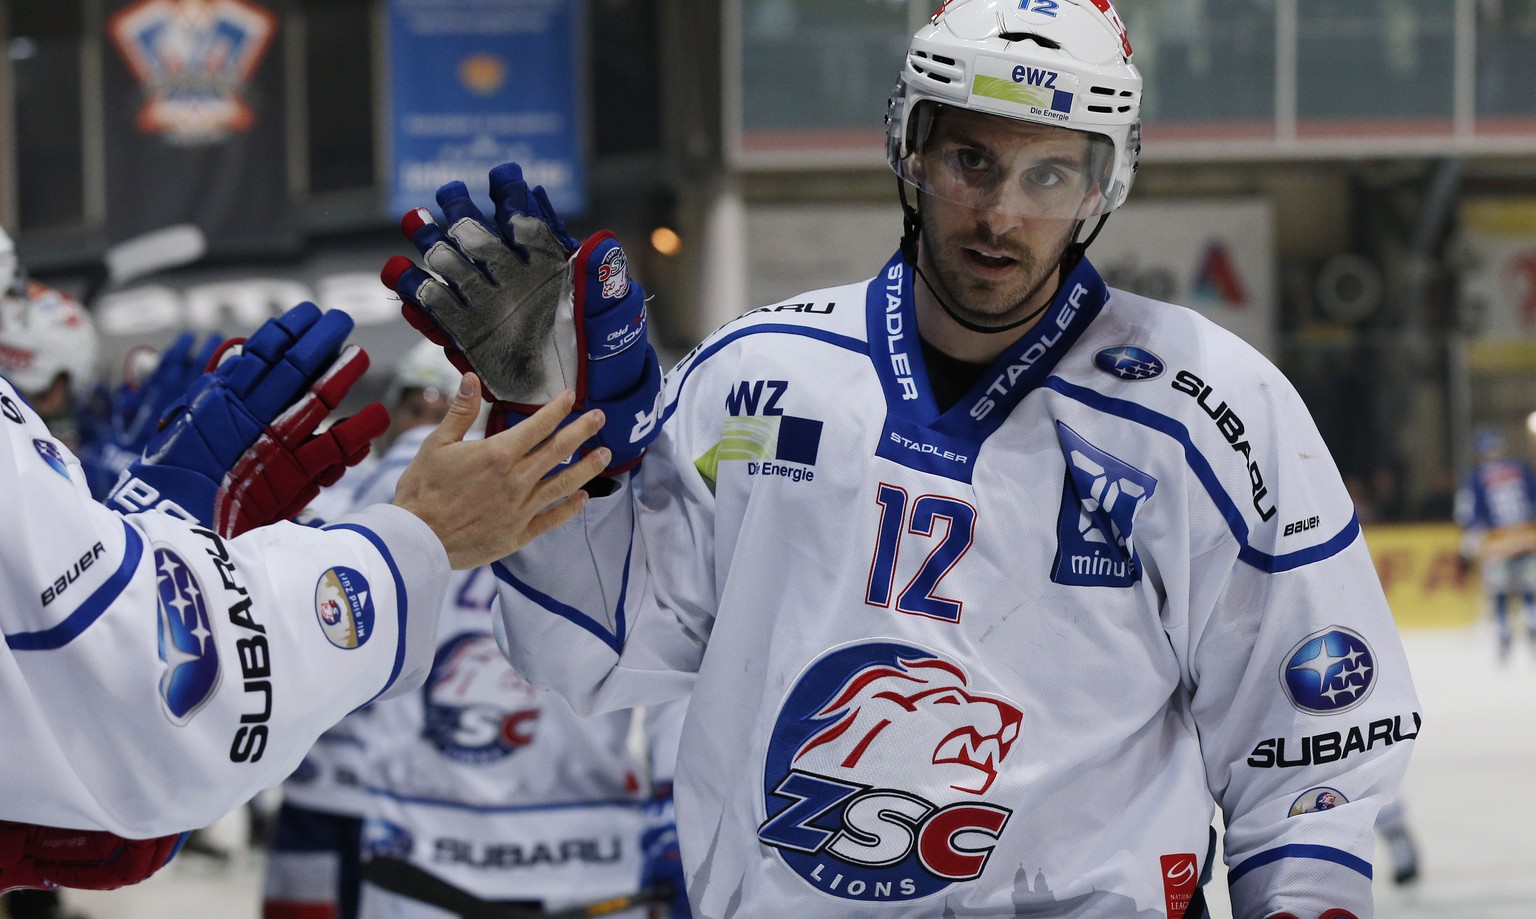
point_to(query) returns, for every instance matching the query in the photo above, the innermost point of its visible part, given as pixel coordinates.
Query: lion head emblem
(890, 725)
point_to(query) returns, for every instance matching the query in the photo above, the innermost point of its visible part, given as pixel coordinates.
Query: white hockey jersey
(479, 779)
(997, 660)
(156, 676)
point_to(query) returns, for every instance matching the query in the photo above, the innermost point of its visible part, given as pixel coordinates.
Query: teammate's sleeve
(155, 675)
(1302, 697)
(613, 609)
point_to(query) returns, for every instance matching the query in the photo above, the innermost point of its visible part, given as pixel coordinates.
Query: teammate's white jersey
(497, 788)
(155, 676)
(996, 660)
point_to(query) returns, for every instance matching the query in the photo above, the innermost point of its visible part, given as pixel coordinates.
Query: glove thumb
(462, 412)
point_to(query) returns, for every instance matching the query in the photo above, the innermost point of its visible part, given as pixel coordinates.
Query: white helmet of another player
(43, 333)
(9, 265)
(1057, 63)
(424, 367)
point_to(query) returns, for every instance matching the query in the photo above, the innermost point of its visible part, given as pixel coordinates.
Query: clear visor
(1004, 165)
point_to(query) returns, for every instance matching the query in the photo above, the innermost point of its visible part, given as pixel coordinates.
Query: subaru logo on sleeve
(1129, 362)
(185, 639)
(1330, 671)
(383, 839)
(344, 606)
(49, 451)
(877, 770)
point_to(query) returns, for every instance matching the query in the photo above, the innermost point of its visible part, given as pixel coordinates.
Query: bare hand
(485, 499)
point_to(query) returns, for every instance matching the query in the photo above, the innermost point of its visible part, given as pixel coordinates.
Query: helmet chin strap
(912, 225)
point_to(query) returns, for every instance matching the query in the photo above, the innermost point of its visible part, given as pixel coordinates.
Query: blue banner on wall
(477, 83)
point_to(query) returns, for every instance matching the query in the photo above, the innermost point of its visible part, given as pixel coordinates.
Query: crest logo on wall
(194, 60)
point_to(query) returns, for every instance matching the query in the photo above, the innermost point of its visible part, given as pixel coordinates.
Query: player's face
(1000, 199)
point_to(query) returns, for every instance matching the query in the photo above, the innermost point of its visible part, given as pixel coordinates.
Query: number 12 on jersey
(912, 523)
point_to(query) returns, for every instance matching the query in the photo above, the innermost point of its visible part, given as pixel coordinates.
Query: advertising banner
(194, 126)
(477, 83)
(1214, 256)
(1420, 570)
(1498, 275)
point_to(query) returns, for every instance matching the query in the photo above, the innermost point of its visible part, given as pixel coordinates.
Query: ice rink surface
(1470, 794)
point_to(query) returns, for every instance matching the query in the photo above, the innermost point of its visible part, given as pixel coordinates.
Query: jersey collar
(897, 352)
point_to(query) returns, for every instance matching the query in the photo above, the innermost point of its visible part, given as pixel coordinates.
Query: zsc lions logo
(876, 770)
(1330, 671)
(1129, 362)
(185, 639)
(478, 710)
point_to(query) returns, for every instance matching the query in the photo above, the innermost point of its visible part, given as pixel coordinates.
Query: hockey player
(47, 345)
(312, 863)
(1496, 510)
(990, 582)
(483, 792)
(155, 673)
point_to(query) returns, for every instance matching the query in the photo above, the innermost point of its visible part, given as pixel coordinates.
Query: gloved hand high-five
(134, 409)
(44, 857)
(240, 450)
(532, 312)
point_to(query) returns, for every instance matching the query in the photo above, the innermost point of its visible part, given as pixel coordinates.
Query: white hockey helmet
(44, 333)
(9, 264)
(424, 367)
(1058, 63)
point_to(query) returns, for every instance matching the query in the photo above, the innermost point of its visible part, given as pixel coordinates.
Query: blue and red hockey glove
(532, 312)
(661, 865)
(133, 410)
(42, 857)
(243, 448)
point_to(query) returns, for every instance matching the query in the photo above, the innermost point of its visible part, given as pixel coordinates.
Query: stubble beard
(982, 301)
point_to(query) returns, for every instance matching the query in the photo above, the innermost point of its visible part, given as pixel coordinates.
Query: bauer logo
(477, 709)
(1330, 671)
(51, 455)
(1129, 362)
(185, 639)
(876, 773)
(344, 606)
(1100, 497)
(1317, 799)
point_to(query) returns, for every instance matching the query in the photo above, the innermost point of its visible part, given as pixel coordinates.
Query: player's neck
(942, 332)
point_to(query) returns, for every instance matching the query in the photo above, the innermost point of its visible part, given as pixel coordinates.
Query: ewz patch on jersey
(877, 772)
(1099, 500)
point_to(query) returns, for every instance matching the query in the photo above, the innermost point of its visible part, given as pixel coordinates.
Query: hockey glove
(44, 857)
(241, 449)
(532, 312)
(137, 404)
(661, 866)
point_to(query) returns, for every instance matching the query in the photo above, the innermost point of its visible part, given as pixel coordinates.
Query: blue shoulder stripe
(400, 601)
(625, 803)
(846, 342)
(1201, 467)
(1299, 850)
(613, 640)
(100, 600)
